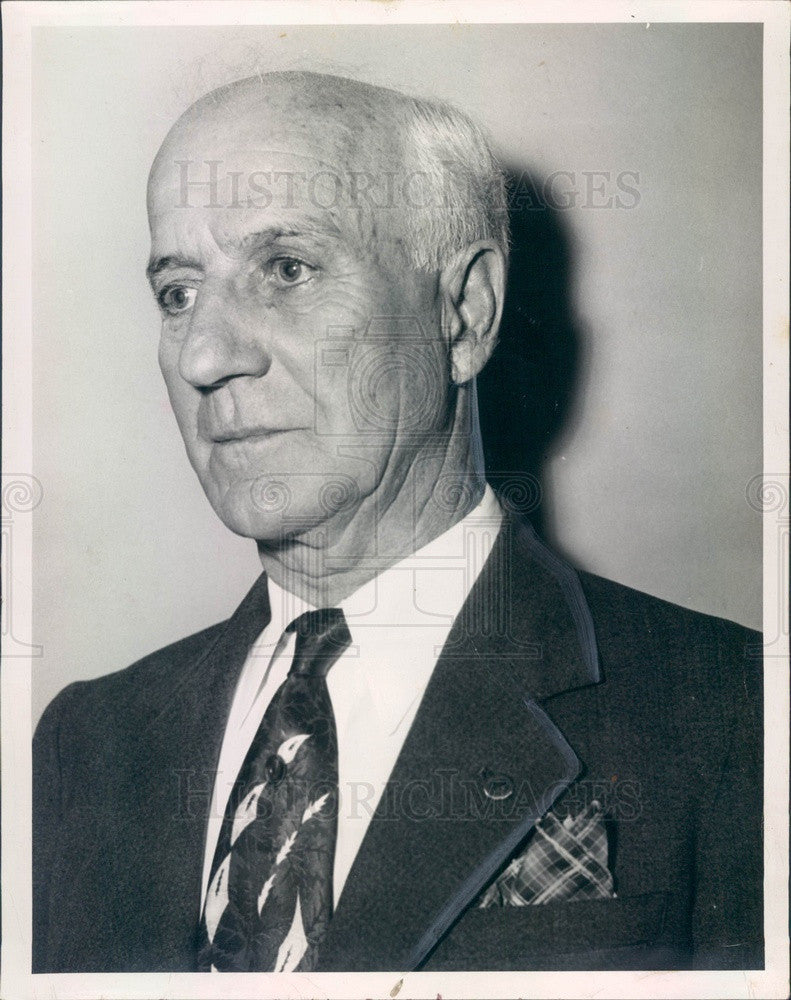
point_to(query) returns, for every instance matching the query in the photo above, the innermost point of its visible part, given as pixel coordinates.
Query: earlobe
(474, 292)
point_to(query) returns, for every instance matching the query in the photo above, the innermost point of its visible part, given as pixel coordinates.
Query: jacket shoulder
(649, 644)
(142, 683)
(630, 609)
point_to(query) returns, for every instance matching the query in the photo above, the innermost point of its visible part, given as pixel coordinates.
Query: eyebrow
(271, 234)
(168, 262)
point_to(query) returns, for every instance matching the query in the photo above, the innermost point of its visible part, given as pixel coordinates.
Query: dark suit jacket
(558, 687)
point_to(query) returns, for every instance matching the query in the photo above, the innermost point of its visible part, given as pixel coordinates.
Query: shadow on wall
(527, 391)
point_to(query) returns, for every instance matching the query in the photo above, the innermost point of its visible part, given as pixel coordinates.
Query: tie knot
(322, 636)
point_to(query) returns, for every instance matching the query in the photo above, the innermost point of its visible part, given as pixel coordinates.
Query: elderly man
(422, 741)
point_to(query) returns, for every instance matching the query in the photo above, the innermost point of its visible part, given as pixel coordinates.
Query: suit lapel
(170, 792)
(481, 764)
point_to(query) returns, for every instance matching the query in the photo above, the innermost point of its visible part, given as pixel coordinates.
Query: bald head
(415, 176)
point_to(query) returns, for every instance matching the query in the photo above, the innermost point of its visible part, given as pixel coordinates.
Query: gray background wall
(646, 485)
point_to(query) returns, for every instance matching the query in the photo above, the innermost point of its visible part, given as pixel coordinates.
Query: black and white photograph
(395, 500)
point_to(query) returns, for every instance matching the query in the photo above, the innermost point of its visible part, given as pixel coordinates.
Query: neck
(439, 487)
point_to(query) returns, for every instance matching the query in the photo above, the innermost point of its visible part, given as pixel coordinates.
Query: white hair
(463, 187)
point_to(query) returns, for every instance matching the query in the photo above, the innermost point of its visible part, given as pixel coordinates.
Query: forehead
(235, 174)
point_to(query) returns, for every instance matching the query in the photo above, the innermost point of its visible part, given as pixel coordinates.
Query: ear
(472, 287)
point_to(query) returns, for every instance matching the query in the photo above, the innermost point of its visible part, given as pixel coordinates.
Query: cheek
(183, 398)
(168, 355)
(396, 386)
(318, 354)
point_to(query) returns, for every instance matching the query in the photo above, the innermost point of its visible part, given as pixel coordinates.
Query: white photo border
(19, 18)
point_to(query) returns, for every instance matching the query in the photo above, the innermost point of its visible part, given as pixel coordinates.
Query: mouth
(249, 434)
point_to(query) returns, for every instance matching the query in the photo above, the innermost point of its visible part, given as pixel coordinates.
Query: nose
(221, 343)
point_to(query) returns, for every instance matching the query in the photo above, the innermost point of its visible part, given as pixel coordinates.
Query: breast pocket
(591, 934)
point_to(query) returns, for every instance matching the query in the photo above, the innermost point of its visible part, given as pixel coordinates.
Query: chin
(265, 512)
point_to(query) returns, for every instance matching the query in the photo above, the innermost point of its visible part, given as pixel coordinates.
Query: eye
(176, 299)
(291, 271)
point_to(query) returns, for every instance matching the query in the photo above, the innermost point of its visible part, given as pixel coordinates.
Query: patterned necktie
(269, 899)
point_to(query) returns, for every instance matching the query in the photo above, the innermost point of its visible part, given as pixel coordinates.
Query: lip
(248, 434)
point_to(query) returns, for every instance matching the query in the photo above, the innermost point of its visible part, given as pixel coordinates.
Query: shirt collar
(390, 597)
(429, 586)
(400, 619)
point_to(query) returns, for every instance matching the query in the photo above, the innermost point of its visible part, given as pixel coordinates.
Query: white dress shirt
(399, 622)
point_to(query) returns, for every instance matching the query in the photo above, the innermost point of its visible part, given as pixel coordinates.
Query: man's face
(302, 362)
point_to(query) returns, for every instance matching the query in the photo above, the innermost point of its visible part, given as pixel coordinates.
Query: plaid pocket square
(565, 860)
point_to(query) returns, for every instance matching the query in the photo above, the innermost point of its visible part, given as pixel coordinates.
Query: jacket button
(497, 786)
